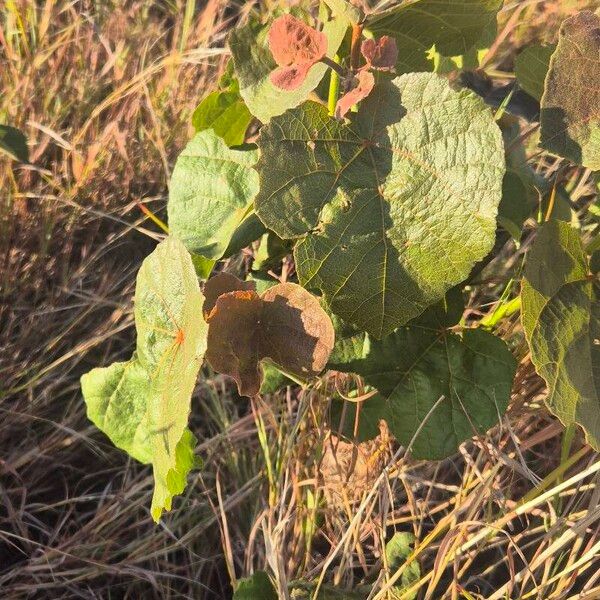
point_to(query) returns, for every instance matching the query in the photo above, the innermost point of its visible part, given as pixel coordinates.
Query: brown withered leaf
(286, 325)
(221, 284)
(296, 47)
(365, 85)
(570, 115)
(381, 54)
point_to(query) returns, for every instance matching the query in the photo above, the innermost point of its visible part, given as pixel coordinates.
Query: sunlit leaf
(143, 404)
(14, 143)
(453, 26)
(226, 114)
(570, 117)
(531, 68)
(285, 324)
(394, 208)
(351, 11)
(254, 64)
(561, 318)
(211, 190)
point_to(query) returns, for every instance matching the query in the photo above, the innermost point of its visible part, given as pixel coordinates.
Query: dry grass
(104, 91)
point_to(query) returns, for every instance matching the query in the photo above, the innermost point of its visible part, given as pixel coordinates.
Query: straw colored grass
(104, 91)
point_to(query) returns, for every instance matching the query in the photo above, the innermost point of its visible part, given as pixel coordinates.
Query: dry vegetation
(104, 91)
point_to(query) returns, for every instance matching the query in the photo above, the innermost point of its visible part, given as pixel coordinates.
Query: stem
(334, 65)
(334, 89)
(357, 31)
(504, 310)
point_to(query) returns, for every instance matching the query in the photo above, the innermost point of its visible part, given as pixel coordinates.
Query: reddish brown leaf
(296, 47)
(365, 85)
(286, 325)
(221, 284)
(381, 54)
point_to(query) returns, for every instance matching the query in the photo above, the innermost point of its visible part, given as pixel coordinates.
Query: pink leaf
(366, 82)
(381, 54)
(296, 47)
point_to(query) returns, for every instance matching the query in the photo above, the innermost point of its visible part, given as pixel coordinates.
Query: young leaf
(285, 324)
(226, 114)
(397, 550)
(561, 318)
(365, 82)
(382, 54)
(443, 386)
(143, 405)
(210, 192)
(296, 48)
(570, 117)
(531, 68)
(14, 143)
(254, 64)
(454, 26)
(390, 219)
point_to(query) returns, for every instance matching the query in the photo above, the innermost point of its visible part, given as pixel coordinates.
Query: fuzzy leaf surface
(211, 189)
(454, 26)
(570, 117)
(285, 324)
(394, 208)
(561, 319)
(143, 404)
(254, 64)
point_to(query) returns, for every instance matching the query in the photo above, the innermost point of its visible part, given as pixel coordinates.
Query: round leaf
(393, 209)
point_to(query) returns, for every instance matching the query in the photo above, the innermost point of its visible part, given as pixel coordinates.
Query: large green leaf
(419, 364)
(570, 117)
(454, 26)
(531, 68)
(393, 209)
(143, 404)
(13, 143)
(435, 387)
(211, 191)
(561, 318)
(254, 62)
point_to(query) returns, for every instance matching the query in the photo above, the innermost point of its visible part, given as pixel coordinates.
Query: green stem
(334, 88)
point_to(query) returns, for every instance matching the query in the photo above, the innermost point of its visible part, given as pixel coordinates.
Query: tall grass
(104, 91)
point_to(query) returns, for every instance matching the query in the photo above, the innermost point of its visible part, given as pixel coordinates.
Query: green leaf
(419, 364)
(515, 206)
(342, 7)
(393, 209)
(254, 62)
(226, 114)
(211, 191)
(561, 319)
(570, 117)
(14, 143)
(143, 404)
(397, 550)
(453, 26)
(256, 587)
(248, 231)
(531, 68)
